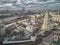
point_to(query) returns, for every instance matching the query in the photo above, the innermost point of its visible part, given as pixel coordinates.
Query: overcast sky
(34, 0)
(42, 4)
(41, 0)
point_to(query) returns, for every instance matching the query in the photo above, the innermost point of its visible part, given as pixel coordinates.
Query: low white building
(30, 28)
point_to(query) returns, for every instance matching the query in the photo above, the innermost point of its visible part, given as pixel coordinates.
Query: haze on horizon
(35, 4)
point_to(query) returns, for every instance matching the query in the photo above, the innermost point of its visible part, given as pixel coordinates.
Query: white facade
(30, 28)
(33, 38)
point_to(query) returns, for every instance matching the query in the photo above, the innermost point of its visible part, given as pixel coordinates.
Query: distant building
(55, 16)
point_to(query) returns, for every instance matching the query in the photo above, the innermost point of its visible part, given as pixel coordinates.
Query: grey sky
(40, 5)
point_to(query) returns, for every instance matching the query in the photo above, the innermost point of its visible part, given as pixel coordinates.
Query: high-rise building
(46, 24)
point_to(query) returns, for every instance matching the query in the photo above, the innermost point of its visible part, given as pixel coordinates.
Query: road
(46, 40)
(49, 39)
